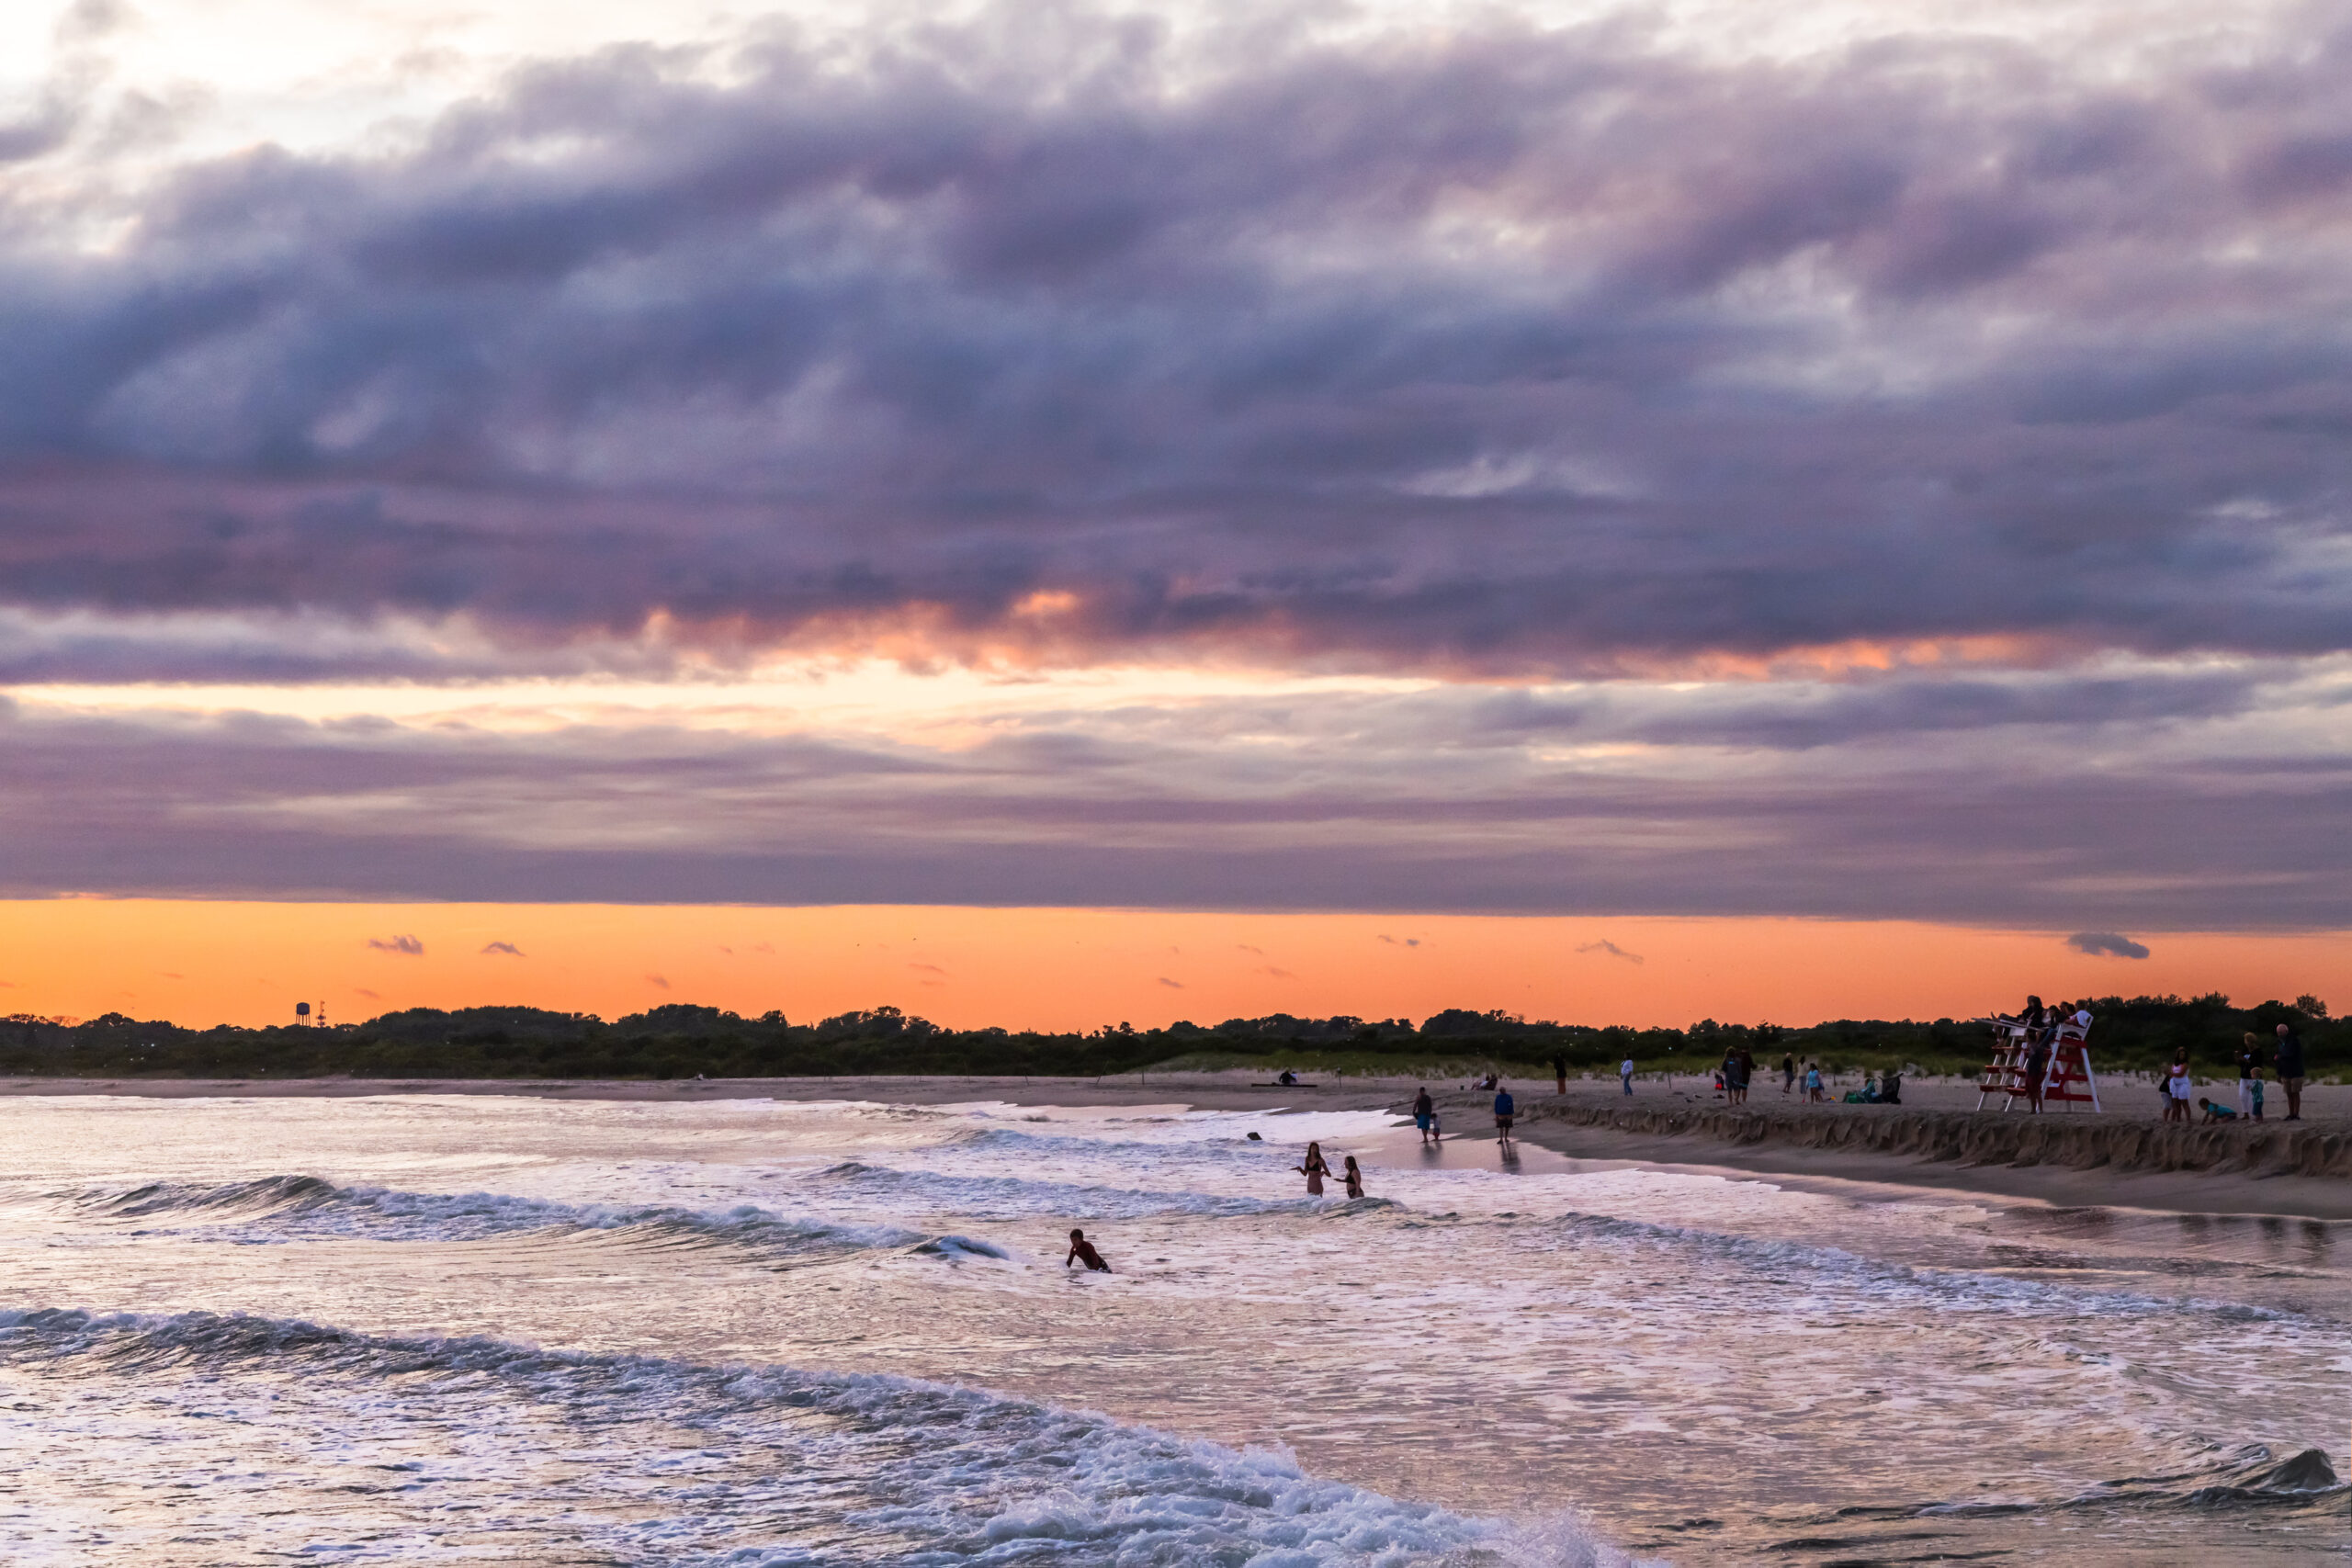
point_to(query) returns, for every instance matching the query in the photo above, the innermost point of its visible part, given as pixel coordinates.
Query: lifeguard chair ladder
(2067, 1078)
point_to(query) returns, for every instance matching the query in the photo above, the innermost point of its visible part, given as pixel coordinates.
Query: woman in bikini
(1315, 1170)
(1354, 1177)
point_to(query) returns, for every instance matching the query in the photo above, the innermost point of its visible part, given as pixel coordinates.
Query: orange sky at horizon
(211, 962)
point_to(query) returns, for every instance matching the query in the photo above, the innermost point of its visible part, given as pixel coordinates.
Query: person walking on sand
(1746, 1071)
(1812, 1083)
(2249, 1068)
(1425, 1116)
(1314, 1170)
(1560, 1070)
(1625, 1073)
(1787, 1074)
(1505, 1112)
(2289, 1062)
(1082, 1251)
(1354, 1178)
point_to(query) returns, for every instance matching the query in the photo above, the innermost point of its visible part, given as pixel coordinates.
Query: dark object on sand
(1255, 1139)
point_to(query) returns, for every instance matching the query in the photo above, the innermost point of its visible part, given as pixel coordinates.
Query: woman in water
(1315, 1170)
(1355, 1178)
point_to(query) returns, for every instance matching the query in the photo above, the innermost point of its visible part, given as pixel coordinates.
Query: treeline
(682, 1040)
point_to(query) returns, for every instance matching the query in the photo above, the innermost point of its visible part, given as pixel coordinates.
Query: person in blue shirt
(1504, 1111)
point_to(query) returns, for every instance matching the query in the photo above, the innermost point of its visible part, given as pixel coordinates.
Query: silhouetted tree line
(681, 1040)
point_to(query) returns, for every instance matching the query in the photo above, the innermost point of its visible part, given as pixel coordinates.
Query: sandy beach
(2066, 1158)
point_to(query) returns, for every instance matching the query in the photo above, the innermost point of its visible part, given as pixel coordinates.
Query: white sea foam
(302, 1208)
(764, 1466)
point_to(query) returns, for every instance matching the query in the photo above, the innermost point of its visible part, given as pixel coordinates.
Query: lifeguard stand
(2067, 1080)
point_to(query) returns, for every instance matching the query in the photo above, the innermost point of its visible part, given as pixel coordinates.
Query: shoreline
(2300, 1171)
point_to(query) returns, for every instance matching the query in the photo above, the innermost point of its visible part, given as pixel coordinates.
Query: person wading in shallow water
(1082, 1251)
(1314, 1169)
(1505, 1110)
(1354, 1177)
(1425, 1116)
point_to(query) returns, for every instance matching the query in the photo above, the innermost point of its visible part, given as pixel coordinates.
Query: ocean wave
(1012, 1196)
(304, 1208)
(644, 1460)
(1808, 1267)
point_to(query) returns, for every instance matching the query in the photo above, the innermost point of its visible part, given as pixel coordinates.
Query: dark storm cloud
(1503, 349)
(1898, 707)
(1361, 813)
(2107, 945)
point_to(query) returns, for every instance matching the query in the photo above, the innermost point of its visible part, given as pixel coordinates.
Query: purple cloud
(2107, 944)
(406, 947)
(895, 340)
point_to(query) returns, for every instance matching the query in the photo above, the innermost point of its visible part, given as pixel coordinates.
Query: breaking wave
(644, 1460)
(305, 1207)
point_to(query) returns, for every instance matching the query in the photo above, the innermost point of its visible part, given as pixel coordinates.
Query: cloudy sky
(1869, 465)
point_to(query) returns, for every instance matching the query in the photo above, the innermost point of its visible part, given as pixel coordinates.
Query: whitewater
(755, 1332)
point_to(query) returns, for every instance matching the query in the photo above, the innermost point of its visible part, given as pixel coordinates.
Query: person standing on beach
(1505, 1112)
(1314, 1169)
(1560, 1070)
(2249, 1069)
(1625, 1073)
(1812, 1083)
(2037, 1072)
(1787, 1074)
(1747, 1059)
(2177, 1083)
(2289, 1062)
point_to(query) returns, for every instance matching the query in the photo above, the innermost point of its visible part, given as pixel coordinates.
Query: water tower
(301, 1013)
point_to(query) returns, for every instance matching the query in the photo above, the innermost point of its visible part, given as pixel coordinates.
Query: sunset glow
(1853, 494)
(1076, 969)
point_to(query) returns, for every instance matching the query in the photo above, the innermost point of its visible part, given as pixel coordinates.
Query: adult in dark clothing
(2037, 1068)
(2249, 1069)
(2289, 1062)
(1560, 1069)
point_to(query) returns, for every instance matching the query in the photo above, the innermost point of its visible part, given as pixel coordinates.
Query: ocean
(525, 1331)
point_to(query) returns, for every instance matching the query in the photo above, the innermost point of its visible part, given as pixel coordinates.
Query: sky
(1858, 493)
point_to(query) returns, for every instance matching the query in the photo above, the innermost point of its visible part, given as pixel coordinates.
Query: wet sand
(2067, 1161)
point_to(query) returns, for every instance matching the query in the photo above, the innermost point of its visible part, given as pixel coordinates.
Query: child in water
(1082, 1251)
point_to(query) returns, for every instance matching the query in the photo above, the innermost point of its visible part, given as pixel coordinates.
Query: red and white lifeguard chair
(2066, 1077)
